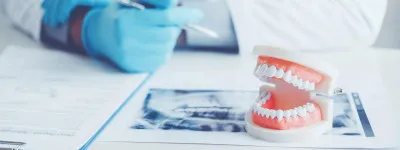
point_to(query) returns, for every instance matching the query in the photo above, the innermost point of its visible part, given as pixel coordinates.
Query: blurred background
(390, 33)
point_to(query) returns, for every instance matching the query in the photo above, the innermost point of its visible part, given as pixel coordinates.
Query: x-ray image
(195, 110)
(222, 111)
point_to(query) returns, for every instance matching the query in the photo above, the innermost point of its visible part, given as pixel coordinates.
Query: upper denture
(289, 71)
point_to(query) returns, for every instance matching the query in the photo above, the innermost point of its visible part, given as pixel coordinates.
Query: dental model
(288, 108)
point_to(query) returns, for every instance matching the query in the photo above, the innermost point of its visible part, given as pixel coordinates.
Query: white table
(184, 63)
(388, 62)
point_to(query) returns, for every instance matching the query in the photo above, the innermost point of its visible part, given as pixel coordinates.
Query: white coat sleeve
(317, 24)
(26, 15)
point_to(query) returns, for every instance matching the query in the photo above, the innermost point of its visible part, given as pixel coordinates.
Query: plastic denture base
(330, 73)
(299, 134)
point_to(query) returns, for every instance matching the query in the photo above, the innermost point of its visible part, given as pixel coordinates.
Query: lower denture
(294, 121)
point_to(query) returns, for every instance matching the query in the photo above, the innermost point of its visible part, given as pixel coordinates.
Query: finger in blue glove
(136, 40)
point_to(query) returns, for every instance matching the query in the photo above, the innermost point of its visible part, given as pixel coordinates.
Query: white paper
(55, 100)
(204, 71)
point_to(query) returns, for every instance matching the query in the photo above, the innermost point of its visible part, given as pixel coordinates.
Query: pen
(194, 27)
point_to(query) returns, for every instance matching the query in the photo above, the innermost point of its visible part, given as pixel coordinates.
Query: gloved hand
(58, 11)
(136, 40)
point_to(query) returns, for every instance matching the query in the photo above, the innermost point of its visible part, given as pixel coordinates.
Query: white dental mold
(326, 86)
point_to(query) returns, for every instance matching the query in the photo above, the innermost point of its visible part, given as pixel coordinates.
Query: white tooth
(263, 112)
(279, 114)
(305, 107)
(287, 77)
(265, 69)
(268, 96)
(257, 70)
(261, 98)
(267, 113)
(261, 94)
(294, 80)
(297, 109)
(286, 114)
(262, 69)
(271, 71)
(255, 109)
(310, 107)
(259, 112)
(302, 112)
(280, 73)
(264, 101)
(301, 84)
(293, 113)
(272, 114)
(307, 85)
(312, 86)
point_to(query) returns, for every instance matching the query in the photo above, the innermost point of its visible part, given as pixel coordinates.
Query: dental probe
(337, 91)
(197, 28)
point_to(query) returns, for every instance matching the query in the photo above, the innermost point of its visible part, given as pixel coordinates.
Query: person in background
(143, 40)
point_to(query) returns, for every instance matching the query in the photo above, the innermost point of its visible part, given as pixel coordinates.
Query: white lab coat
(294, 24)
(307, 24)
(25, 15)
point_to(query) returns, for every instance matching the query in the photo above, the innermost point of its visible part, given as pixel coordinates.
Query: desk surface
(388, 60)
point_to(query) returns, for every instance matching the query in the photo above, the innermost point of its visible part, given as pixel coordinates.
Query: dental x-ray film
(225, 111)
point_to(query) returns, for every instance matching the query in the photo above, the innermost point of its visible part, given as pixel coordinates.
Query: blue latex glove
(58, 11)
(136, 40)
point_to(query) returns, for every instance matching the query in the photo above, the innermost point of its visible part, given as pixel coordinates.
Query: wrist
(182, 39)
(76, 27)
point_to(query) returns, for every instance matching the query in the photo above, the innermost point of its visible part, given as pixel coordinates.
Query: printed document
(205, 104)
(55, 100)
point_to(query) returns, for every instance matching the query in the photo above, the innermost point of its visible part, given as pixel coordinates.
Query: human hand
(136, 40)
(58, 11)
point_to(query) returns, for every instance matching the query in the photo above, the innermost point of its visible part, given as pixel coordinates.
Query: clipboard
(11, 145)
